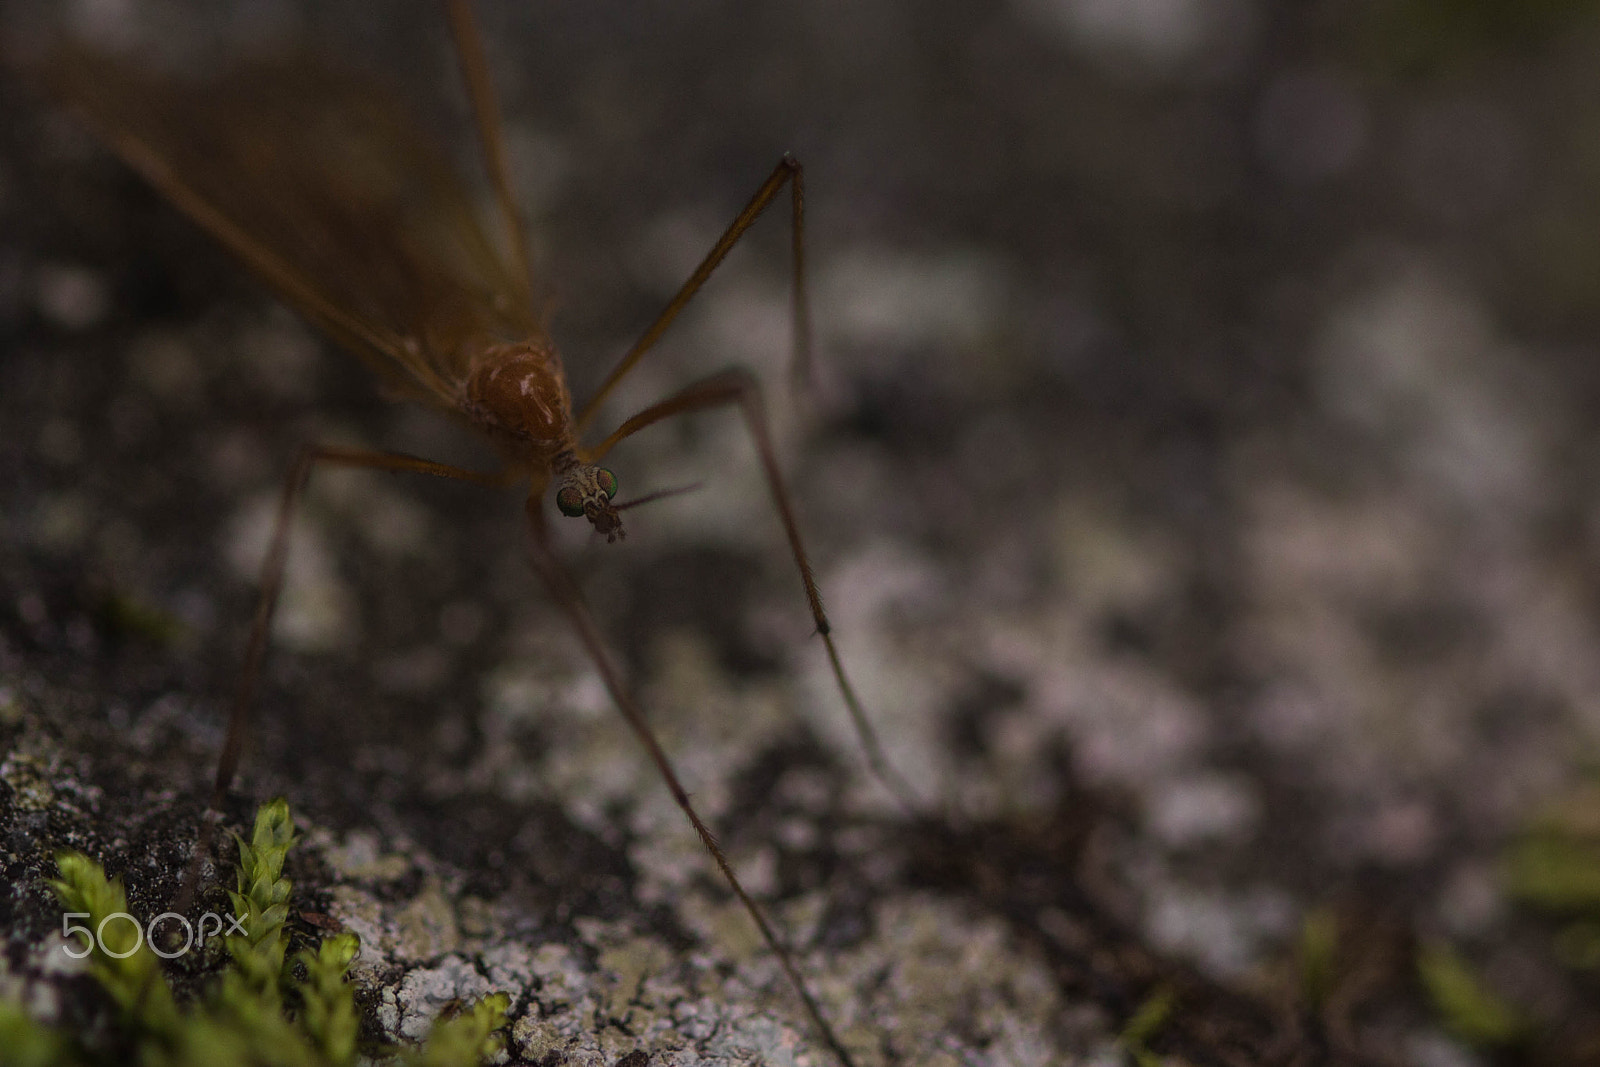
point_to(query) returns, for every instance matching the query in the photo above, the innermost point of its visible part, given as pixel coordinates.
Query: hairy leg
(787, 172)
(272, 571)
(739, 387)
(567, 594)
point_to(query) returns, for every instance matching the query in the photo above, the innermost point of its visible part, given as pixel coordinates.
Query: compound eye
(608, 483)
(570, 502)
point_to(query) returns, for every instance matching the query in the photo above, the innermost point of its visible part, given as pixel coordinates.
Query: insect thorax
(518, 393)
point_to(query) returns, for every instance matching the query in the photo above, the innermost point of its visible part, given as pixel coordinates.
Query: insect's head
(585, 492)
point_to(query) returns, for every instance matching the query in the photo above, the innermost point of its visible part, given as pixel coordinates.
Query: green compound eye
(570, 502)
(608, 483)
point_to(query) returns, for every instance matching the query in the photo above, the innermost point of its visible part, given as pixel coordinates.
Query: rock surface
(1199, 480)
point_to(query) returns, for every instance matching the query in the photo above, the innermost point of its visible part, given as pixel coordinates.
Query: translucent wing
(325, 189)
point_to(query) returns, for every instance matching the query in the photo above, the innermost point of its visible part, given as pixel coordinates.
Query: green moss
(1146, 1021)
(30, 1044)
(127, 616)
(1317, 956)
(1439, 37)
(268, 1009)
(261, 904)
(329, 1012)
(1556, 871)
(1469, 1009)
(119, 958)
(1555, 867)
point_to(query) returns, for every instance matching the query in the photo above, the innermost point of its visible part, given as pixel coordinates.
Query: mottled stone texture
(1198, 473)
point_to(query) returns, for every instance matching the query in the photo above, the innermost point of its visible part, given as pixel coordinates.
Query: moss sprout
(1469, 1009)
(269, 1008)
(1317, 956)
(1147, 1020)
(27, 1043)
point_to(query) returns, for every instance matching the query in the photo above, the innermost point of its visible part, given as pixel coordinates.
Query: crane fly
(332, 198)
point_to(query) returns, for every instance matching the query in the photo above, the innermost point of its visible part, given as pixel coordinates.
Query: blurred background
(1199, 476)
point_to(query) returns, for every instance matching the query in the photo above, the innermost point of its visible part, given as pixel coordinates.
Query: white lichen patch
(410, 1008)
(889, 304)
(30, 779)
(1392, 631)
(930, 967)
(1131, 727)
(362, 914)
(1156, 35)
(511, 964)
(1225, 932)
(641, 996)
(1105, 564)
(317, 608)
(427, 925)
(358, 856)
(599, 1014)
(930, 982)
(423, 928)
(937, 972)
(1412, 361)
(899, 672)
(627, 964)
(52, 960)
(931, 971)
(723, 925)
(587, 756)
(1203, 807)
(387, 519)
(37, 772)
(72, 297)
(592, 762)
(33, 990)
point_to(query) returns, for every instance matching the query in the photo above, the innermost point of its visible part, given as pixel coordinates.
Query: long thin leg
(567, 594)
(788, 171)
(272, 570)
(491, 131)
(739, 387)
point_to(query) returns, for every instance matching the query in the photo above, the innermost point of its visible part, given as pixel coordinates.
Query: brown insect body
(326, 191)
(517, 395)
